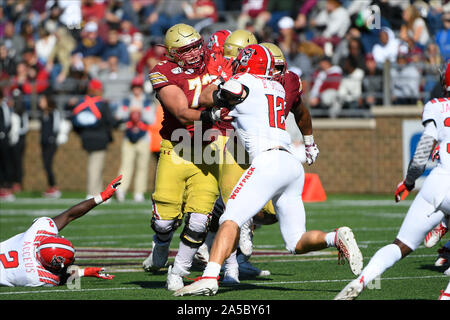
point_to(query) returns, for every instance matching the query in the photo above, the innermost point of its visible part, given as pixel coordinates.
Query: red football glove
(218, 66)
(109, 191)
(97, 273)
(402, 191)
(435, 154)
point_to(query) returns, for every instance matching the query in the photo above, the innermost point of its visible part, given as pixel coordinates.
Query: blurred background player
(431, 204)
(40, 257)
(275, 173)
(184, 187)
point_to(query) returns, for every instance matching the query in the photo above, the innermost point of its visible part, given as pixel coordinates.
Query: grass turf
(118, 236)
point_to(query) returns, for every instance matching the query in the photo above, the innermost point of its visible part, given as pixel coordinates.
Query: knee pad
(164, 229)
(195, 229)
(219, 208)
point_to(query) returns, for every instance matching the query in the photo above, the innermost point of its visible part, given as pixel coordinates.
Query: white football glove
(311, 149)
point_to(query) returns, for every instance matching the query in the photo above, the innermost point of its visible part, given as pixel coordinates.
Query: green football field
(118, 237)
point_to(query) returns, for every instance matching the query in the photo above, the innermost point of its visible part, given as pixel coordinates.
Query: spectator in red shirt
(325, 88)
(92, 10)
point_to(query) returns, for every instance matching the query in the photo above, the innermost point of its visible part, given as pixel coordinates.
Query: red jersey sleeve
(293, 86)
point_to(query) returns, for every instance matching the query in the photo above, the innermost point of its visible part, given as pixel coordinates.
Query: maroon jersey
(293, 87)
(191, 82)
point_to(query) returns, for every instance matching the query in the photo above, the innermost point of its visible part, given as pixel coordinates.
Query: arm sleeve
(418, 162)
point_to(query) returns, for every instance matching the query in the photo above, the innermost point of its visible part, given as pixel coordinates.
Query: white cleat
(231, 276)
(157, 259)
(351, 291)
(246, 268)
(443, 258)
(444, 296)
(435, 235)
(205, 286)
(174, 281)
(447, 272)
(347, 246)
(246, 238)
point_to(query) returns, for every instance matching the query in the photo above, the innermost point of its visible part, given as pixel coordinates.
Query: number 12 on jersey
(276, 111)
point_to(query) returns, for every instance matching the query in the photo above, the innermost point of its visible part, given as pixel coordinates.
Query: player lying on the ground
(275, 173)
(40, 257)
(432, 202)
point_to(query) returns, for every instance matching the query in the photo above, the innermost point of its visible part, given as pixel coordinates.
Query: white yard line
(266, 283)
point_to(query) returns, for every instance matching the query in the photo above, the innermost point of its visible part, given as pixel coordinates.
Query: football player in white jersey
(257, 105)
(40, 257)
(431, 204)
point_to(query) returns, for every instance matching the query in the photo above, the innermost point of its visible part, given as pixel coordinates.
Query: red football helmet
(217, 40)
(255, 59)
(55, 253)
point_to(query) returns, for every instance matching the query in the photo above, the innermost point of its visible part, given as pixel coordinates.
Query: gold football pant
(186, 179)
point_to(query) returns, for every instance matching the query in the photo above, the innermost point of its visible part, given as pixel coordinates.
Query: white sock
(383, 259)
(231, 262)
(212, 270)
(184, 257)
(330, 238)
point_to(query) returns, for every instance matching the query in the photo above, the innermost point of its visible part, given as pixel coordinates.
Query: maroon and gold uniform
(182, 184)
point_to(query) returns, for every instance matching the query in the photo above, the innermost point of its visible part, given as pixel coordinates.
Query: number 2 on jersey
(10, 262)
(276, 108)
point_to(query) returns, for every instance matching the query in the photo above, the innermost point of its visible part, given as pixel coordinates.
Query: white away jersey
(438, 110)
(18, 263)
(259, 120)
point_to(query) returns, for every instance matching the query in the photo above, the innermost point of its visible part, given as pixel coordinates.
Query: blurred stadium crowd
(351, 55)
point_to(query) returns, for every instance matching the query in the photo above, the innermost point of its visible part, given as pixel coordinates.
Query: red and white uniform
(19, 265)
(274, 174)
(433, 200)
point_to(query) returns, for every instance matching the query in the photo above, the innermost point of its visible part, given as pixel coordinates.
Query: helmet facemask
(190, 56)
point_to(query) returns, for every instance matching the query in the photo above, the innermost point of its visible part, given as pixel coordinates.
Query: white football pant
(273, 175)
(427, 210)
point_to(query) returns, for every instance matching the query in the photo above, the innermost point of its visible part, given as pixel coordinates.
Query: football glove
(109, 191)
(435, 153)
(311, 149)
(402, 191)
(97, 273)
(211, 116)
(218, 67)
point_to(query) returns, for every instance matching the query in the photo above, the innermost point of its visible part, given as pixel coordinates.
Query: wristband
(98, 199)
(309, 140)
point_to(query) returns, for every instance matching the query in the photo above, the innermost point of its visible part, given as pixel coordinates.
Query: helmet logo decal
(246, 55)
(58, 261)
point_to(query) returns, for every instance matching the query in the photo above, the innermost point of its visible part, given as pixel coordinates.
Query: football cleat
(433, 237)
(444, 296)
(246, 237)
(443, 258)
(347, 247)
(247, 269)
(174, 280)
(203, 286)
(447, 272)
(231, 276)
(351, 290)
(157, 259)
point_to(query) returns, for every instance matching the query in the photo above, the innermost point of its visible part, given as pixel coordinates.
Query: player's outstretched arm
(418, 163)
(85, 206)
